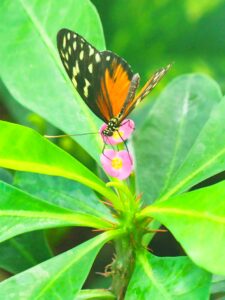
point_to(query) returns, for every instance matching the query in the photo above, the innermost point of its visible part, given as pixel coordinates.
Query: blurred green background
(151, 34)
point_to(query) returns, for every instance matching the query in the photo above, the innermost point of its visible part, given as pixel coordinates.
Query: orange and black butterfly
(104, 80)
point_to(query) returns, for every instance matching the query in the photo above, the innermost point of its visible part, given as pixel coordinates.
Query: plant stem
(126, 246)
(122, 266)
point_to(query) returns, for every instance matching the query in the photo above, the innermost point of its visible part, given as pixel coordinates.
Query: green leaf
(21, 253)
(174, 123)
(167, 278)
(34, 74)
(21, 212)
(62, 192)
(58, 278)
(22, 148)
(207, 156)
(197, 220)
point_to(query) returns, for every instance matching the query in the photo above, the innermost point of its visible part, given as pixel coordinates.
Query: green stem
(126, 247)
(122, 266)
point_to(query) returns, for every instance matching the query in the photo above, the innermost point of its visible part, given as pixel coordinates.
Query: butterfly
(104, 80)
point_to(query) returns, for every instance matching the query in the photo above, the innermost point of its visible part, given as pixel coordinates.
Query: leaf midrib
(53, 170)
(177, 187)
(157, 210)
(148, 271)
(68, 218)
(103, 238)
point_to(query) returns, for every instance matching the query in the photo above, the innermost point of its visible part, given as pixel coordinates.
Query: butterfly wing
(132, 102)
(101, 78)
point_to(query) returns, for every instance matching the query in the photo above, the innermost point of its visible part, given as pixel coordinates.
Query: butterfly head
(112, 126)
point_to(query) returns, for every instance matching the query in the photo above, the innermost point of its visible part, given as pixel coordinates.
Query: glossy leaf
(207, 156)
(174, 123)
(62, 192)
(21, 212)
(24, 149)
(197, 220)
(58, 278)
(167, 278)
(34, 74)
(20, 253)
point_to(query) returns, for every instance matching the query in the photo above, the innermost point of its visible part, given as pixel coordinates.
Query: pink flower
(117, 164)
(125, 130)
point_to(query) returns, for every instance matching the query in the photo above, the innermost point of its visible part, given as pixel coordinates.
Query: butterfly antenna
(66, 135)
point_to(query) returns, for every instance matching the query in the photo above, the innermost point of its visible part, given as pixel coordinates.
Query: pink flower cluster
(117, 164)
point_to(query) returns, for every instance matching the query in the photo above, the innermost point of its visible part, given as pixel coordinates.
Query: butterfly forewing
(80, 60)
(101, 78)
(147, 88)
(152, 82)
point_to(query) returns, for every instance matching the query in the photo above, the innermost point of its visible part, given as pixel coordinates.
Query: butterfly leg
(103, 153)
(129, 123)
(103, 149)
(125, 145)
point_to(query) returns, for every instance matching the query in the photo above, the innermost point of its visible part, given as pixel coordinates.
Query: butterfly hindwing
(114, 82)
(101, 78)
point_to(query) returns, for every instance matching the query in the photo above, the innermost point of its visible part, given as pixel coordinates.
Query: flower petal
(117, 164)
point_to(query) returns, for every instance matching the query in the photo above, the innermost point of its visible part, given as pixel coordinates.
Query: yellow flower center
(117, 135)
(117, 163)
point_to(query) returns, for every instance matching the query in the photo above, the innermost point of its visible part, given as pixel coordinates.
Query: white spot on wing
(81, 54)
(70, 50)
(92, 51)
(76, 69)
(108, 58)
(90, 68)
(74, 82)
(64, 42)
(74, 45)
(62, 53)
(66, 65)
(67, 56)
(68, 36)
(97, 57)
(87, 84)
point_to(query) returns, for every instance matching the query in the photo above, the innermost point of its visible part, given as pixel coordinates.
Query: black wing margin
(80, 60)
